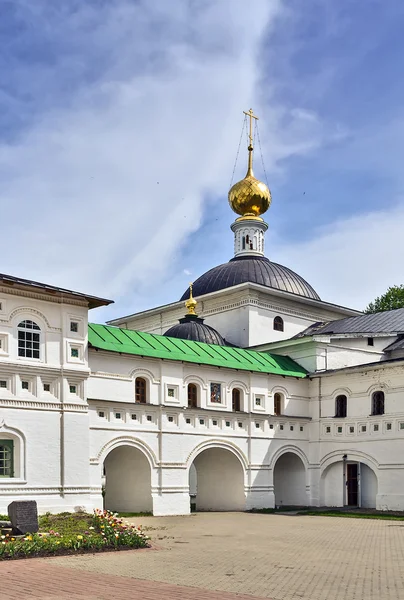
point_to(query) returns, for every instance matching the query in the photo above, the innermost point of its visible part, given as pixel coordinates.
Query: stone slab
(23, 515)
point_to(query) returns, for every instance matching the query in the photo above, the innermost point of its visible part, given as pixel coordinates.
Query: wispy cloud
(127, 125)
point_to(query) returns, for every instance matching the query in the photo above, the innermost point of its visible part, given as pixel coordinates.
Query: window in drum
(340, 406)
(378, 403)
(278, 324)
(29, 339)
(6, 458)
(140, 390)
(192, 395)
(74, 327)
(236, 399)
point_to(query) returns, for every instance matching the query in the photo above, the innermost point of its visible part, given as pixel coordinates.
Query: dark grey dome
(253, 269)
(193, 328)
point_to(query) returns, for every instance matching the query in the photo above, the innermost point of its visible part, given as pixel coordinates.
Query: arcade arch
(216, 480)
(290, 480)
(127, 480)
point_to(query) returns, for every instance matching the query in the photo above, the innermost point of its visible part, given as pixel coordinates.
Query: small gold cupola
(191, 302)
(250, 197)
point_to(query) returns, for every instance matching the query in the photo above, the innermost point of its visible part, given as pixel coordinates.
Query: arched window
(236, 399)
(378, 403)
(278, 324)
(278, 404)
(140, 390)
(192, 395)
(29, 339)
(340, 406)
(6, 458)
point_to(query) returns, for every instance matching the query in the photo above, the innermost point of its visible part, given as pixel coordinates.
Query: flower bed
(106, 532)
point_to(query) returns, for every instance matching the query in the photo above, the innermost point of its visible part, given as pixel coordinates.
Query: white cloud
(101, 191)
(352, 261)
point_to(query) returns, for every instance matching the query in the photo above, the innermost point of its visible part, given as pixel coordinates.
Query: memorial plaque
(23, 515)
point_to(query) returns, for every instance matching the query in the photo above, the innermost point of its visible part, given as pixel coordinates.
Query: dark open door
(352, 484)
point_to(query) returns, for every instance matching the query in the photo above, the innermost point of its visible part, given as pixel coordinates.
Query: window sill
(12, 481)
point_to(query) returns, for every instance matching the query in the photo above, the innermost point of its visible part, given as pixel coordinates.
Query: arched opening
(378, 403)
(290, 481)
(29, 339)
(278, 324)
(140, 390)
(127, 481)
(192, 395)
(348, 483)
(236, 399)
(340, 406)
(278, 404)
(216, 481)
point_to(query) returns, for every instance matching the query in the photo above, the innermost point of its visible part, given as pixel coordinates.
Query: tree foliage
(393, 298)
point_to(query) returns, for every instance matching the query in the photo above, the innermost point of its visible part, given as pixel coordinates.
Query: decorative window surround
(27, 385)
(75, 326)
(259, 403)
(4, 384)
(75, 353)
(29, 340)
(4, 344)
(6, 458)
(171, 395)
(75, 388)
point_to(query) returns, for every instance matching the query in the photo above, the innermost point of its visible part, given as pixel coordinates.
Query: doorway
(352, 484)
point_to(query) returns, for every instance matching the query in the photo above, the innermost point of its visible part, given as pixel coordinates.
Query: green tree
(393, 298)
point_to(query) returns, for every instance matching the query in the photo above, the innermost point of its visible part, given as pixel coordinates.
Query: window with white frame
(6, 458)
(29, 339)
(74, 326)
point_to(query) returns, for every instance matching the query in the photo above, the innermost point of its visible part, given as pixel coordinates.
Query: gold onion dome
(250, 197)
(191, 303)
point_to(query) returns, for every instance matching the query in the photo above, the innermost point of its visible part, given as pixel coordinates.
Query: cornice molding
(43, 406)
(37, 296)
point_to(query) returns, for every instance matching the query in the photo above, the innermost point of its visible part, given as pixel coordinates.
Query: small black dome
(253, 269)
(193, 328)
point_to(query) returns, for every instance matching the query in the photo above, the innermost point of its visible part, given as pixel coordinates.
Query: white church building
(274, 398)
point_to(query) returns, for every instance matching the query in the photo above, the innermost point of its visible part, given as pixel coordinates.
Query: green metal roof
(127, 341)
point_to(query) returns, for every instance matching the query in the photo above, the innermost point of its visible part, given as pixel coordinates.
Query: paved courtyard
(212, 556)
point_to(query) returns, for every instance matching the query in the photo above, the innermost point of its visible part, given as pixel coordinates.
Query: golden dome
(249, 197)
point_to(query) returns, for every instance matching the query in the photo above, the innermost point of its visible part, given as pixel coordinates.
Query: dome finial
(250, 114)
(191, 302)
(249, 197)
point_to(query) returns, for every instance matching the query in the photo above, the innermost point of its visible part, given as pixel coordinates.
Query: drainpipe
(249, 441)
(62, 400)
(319, 398)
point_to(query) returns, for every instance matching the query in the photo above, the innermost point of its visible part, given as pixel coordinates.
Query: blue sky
(119, 126)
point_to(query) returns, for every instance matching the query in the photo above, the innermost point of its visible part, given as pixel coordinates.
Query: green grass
(65, 523)
(352, 515)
